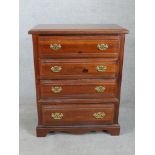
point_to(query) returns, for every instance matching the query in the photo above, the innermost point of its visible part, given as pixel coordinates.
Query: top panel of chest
(70, 29)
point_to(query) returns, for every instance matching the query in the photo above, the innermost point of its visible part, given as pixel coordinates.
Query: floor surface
(67, 144)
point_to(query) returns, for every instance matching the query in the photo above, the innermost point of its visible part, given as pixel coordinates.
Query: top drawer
(81, 46)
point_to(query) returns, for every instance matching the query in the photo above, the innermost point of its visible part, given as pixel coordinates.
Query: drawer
(76, 68)
(83, 88)
(78, 114)
(56, 47)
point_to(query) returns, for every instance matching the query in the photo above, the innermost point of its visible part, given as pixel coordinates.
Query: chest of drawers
(78, 72)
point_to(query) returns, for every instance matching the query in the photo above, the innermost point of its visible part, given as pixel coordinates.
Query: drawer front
(78, 114)
(76, 68)
(56, 47)
(83, 88)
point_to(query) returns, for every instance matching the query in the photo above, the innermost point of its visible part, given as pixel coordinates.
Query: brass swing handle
(100, 89)
(57, 115)
(55, 47)
(102, 47)
(101, 68)
(56, 69)
(99, 115)
(56, 89)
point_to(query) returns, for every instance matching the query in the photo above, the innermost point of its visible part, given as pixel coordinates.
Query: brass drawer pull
(102, 47)
(56, 69)
(57, 115)
(101, 68)
(55, 46)
(99, 115)
(100, 89)
(56, 89)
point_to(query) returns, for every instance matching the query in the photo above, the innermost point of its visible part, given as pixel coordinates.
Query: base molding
(42, 131)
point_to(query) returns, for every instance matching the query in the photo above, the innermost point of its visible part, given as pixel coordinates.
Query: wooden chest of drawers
(78, 72)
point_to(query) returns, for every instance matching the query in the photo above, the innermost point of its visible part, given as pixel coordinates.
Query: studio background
(33, 12)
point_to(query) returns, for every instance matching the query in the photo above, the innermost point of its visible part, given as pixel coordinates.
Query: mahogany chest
(78, 72)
